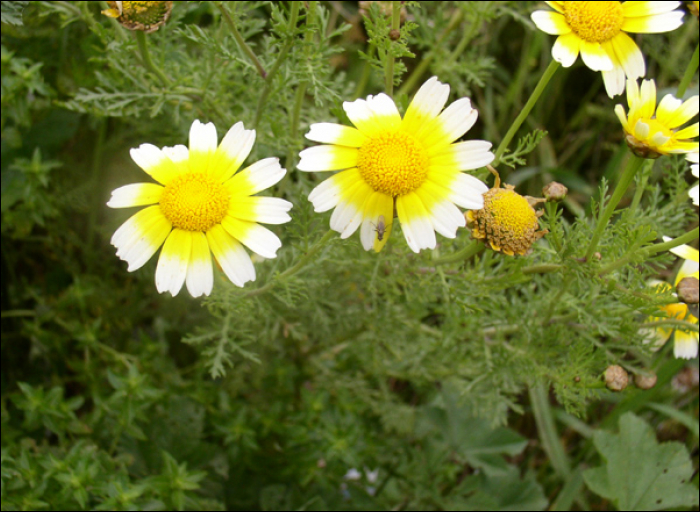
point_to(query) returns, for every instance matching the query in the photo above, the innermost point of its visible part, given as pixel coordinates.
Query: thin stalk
(639, 191)
(303, 261)
(671, 322)
(389, 69)
(539, 400)
(463, 254)
(689, 73)
(239, 39)
(539, 89)
(651, 250)
(366, 73)
(293, 17)
(410, 83)
(146, 58)
(633, 165)
(544, 268)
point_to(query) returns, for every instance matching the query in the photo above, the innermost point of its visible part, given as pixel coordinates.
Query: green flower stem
(410, 83)
(544, 268)
(146, 57)
(639, 192)
(293, 17)
(366, 73)
(689, 73)
(651, 250)
(547, 429)
(633, 165)
(475, 247)
(239, 39)
(301, 89)
(303, 261)
(539, 89)
(389, 69)
(671, 322)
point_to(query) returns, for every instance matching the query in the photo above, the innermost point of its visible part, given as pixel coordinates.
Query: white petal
(200, 276)
(172, 264)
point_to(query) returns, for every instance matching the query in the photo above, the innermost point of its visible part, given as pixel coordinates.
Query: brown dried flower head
(507, 222)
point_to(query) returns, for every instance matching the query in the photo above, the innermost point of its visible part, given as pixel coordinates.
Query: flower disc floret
(144, 16)
(393, 163)
(194, 202)
(594, 21)
(507, 222)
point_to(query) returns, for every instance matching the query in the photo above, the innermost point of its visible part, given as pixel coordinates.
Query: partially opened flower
(693, 192)
(651, 131)
(412, 166)
(200, 204)
(598, 31)
(685, 344)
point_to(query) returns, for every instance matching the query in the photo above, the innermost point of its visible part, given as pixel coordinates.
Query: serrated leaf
(639, 473)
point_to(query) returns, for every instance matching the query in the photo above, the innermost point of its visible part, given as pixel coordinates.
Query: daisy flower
(200, 204)
(651, 131)
(685, 344)
(693, 192)
(411, 165)
(598, 31)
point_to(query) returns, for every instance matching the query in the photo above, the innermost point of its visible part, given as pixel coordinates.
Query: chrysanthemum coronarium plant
(200, 205)
(340, 279)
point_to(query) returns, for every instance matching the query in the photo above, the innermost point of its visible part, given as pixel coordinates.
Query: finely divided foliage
(443, 346)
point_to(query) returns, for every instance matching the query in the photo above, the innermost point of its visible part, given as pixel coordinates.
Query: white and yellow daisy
(685, 344)
(200, 204)
(693, 192)
(598, 31)
(651, 131)
(412, 165)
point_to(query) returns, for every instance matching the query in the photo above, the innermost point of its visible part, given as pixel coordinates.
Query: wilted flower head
(144, 16)
(651, 131)
(507, 222)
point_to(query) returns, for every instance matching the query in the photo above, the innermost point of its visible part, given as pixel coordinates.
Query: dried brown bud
(645, 381)
(687, 290)
(554, 191)
(394, 34)
(616, 378)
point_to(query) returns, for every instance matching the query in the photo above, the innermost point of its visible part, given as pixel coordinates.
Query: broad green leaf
(639, 473)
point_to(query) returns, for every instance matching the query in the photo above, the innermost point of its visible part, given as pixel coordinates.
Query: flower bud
(645, 381)
(554, 191)
(616, 378)
(687, 290)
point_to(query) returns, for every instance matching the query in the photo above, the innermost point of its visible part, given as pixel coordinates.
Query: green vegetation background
(433, 383)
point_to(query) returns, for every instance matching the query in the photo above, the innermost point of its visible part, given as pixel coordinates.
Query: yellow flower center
(678, 310)
(507, 222)
(145, 16)
(594, 22)
(393, 163)
(194, 202)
